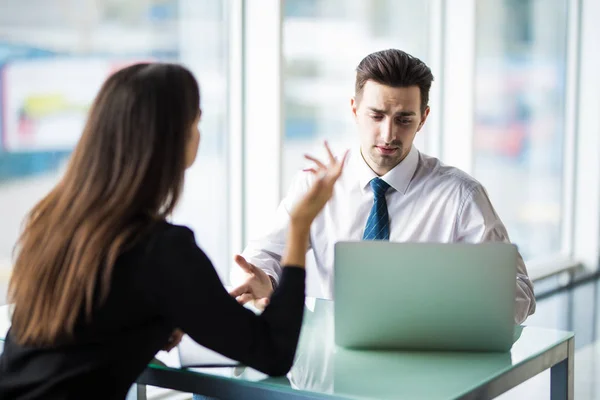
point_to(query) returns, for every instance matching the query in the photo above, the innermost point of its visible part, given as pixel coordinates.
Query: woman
(101, 280)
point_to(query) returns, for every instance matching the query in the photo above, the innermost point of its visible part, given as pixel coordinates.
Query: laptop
(425, 296)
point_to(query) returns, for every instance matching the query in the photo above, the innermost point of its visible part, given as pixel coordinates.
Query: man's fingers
(244, 298)
(240, 290)
(261, 304)
(245, 265)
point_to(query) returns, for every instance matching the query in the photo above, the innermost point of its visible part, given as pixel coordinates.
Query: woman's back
(163, 282)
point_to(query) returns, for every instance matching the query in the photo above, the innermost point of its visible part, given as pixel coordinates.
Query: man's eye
(376, 117)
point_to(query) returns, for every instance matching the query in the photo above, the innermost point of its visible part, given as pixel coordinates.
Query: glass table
(324, 371)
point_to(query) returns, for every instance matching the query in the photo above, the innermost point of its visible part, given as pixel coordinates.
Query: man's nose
(387, 131)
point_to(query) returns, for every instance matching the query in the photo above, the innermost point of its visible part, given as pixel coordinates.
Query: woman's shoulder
(165, 228)
(166, 233)
(159, 238)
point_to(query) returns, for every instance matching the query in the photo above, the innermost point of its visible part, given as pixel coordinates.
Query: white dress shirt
(427, 202)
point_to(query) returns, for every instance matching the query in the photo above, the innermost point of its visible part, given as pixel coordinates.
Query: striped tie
(378, 223)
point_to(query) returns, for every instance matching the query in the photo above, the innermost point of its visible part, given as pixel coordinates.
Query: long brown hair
(125, 174)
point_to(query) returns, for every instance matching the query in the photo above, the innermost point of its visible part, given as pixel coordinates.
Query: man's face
(388, 120)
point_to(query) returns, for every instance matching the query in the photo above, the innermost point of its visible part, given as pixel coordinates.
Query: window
(54, 56)
(323, 42)
(519, 123)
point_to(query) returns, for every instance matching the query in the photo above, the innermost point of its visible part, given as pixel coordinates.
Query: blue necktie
(378, 223)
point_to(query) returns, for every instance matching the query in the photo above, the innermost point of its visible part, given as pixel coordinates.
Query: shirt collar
(398, 177)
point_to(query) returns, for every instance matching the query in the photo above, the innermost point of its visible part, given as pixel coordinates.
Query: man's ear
(353, 106)
(423, 118)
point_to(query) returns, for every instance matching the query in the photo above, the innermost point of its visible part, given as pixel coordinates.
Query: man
(388, 191)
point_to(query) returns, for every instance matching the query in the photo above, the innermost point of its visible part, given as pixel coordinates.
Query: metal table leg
(561, 376)
(137, 392)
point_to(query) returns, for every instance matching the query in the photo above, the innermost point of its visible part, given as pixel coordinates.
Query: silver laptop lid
(425, 295)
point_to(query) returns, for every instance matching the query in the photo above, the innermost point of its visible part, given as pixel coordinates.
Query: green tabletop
(323, 370)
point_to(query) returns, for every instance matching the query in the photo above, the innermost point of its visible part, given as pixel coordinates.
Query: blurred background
(515, 103)
(502, 117)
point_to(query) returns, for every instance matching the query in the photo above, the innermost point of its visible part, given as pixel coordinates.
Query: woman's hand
(305, 211)
(174, 340)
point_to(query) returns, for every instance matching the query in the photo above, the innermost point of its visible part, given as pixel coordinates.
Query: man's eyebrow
(401, 113)
(377, 110)
(406, 113)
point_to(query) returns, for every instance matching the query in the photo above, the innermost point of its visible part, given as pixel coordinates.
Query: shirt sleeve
(477, 223)
(189, 293)
(266, 251)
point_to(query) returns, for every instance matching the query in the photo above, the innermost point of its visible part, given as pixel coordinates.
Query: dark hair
(125, 174)
(394, 68)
